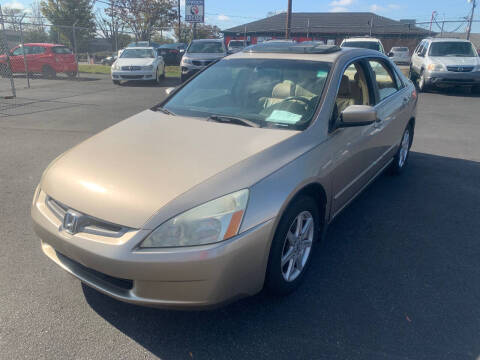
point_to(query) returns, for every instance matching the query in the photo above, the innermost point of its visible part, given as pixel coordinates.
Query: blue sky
(228, 13)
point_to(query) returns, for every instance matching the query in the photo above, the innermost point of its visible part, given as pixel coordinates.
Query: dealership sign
(194, 11)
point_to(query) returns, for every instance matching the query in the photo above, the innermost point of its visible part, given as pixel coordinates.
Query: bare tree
(12, 17)
(109, 23)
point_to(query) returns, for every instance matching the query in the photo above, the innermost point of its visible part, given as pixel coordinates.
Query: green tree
(145, 17)
(64, 13)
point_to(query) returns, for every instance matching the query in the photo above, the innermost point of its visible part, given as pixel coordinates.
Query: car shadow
(166, 82)
(397, 277)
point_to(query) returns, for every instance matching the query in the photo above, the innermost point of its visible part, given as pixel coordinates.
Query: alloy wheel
(297, 246)
(404, 148)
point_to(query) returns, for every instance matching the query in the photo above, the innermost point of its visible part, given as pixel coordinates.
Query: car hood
(199, 56)
(126, 173)
(453, 60)
(134, 62)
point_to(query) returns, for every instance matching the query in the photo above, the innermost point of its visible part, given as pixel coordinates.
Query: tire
(116, 82)
(422, 86)
(282, 280)
(411, 74)
(183, 78)
(72, 74)
(158, 77)
(401, 157)
(48, 72)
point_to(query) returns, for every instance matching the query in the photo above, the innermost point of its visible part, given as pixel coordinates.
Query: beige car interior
(353, 88)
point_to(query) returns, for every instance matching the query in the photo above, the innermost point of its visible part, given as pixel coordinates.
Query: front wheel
(48, 72)
(401, 157)
(116, 82)
(292, 246)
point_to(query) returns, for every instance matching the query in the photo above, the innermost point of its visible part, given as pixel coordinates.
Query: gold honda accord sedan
(226, 186)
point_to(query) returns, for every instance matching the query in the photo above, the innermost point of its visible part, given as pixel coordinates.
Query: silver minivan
(440, 62)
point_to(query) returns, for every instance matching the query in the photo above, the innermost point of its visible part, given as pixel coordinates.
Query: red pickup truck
(46, 59)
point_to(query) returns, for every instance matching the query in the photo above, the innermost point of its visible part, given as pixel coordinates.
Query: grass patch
(94, 69)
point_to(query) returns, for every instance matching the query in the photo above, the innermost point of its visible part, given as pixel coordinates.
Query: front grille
(131, 68)
(114, 281)
(460, 68)
(89, 224)
(132, 77)
(202, 62)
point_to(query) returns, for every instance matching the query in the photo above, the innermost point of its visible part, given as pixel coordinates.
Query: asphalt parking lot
(396, 278)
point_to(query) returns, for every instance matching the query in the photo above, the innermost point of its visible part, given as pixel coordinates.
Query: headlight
(149, 67)
(115, 66)
(214, 221)
(187, 61)
(435, 67)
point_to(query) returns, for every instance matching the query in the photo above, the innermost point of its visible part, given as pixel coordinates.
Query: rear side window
(61, 50)
(384, 78)
(37, 50)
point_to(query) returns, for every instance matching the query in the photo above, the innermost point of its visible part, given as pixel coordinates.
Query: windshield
(206, 47)
(139, 43)
(372, 45)
(271, 92)
(137, 53)
(452, 48)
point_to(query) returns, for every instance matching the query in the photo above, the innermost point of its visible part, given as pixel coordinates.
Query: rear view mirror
(358, 115)
(169, 90)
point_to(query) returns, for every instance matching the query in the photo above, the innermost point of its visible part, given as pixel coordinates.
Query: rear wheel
(48, 72)
(292, 246)
(476, 89)
(72, 74)
(401, 157)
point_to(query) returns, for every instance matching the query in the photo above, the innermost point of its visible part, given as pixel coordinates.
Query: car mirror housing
(169, 90)
(358, 115)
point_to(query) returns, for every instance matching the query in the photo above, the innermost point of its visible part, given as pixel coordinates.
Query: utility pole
(431, 19)
(179, 24)
(470, 21)
(289, 20)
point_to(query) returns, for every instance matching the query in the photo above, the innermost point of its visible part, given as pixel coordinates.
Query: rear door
(63, 55)
(392, 101)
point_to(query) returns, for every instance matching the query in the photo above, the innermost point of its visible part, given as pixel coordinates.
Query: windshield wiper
(165, 111)
(232, 120)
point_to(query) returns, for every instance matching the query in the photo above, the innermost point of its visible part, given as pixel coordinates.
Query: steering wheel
(296, 98)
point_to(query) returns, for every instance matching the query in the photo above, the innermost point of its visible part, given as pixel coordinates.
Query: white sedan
(140, 63)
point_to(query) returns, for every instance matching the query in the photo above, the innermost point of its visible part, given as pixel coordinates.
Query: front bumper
(133, 75)
(191, 277)
(452, 78)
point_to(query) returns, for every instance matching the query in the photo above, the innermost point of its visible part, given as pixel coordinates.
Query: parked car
(172, 53)
(364, 43)
(440, 62)
(141, 63)
(109, 60)
(46, 59)
(236, 46)
(400, 55)
(199, 54)
(227, 185)
(143, 44)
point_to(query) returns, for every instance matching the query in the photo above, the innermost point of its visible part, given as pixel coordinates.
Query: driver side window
(353, 90)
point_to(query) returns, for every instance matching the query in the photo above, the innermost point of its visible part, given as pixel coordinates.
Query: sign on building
(194, 11)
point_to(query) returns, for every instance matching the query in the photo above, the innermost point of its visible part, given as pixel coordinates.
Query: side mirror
(390, 54)
(358, 115)
(169, 90)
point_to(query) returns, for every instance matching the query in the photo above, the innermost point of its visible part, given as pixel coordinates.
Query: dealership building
(331, 28)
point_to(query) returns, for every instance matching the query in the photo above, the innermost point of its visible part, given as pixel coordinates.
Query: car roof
(140, 48)
(203, 40)
(326, 57)
(362, 39)
(43, 44)
(448, 39)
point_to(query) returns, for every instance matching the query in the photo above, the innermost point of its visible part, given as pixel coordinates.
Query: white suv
(445, 62)
(364, 43)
